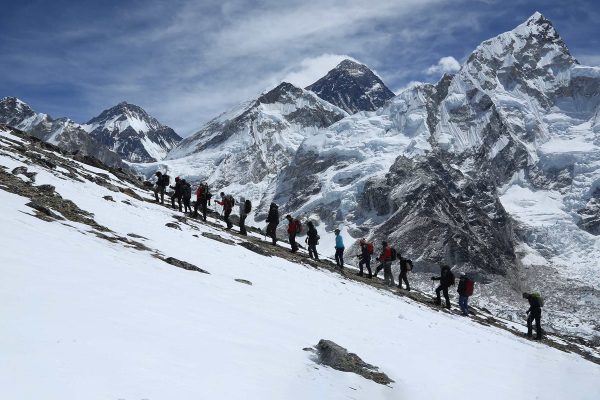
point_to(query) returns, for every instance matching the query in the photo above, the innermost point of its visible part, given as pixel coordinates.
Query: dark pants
(403, 278)
(272, 231)
(243, 224)
(159, 190)
(186, 204)
(367, 263)
(226, 215)
(444, 289)
(388, 278)
(339, 257)
(533, 316)
(463, 302)
(312, 251)
(292, 237)
(200, 203)
(178, 197)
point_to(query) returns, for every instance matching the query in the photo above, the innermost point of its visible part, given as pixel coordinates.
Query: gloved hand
(528, 312)
(433, 278)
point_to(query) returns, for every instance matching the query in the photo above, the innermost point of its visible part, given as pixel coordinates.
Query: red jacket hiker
(386, 254)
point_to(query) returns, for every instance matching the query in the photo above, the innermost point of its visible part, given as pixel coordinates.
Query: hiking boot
(359, 274)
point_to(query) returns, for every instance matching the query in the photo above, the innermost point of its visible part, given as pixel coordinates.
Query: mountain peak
(353, 87)
(282, 93)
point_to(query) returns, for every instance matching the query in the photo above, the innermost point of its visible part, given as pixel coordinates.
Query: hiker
(406, 265)
(178, 192)
(245, 208)
(385, 259)
(446, 279)
(227, 202)
(162, 181)
(366, 249)
(534, 314)
(202, 194)
(465, 289)
(186, 195)
(294, 228)
(312, 240)
(339, 249)
(272, 222)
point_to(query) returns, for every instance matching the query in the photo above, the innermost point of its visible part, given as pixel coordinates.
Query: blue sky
(187, 61)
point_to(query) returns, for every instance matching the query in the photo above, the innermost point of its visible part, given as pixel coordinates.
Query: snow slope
(89, 318)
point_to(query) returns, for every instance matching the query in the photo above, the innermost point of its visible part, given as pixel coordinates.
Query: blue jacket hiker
(339, 249)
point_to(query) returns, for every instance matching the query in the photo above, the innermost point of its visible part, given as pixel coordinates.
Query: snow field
(91, 319)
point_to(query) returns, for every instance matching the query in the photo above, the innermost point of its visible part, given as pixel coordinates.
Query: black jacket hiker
(534, 314)
(365, 259)
(178, 194)
(186, 193)
(312, 239)
(405, 266)
(446, 279)
(162, 181)
(272, 222)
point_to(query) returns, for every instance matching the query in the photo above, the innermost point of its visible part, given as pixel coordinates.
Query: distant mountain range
(123, 132)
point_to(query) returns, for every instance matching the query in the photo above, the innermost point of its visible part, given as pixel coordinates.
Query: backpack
(370, 248)
(406, 264)
(394, 254)
(187, 191)
(539, 298)
(298, 226)
(451, 278)
(229, 201)
(164, 180)
(247, 207)
(469, 286)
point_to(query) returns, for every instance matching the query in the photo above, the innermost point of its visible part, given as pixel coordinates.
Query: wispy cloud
(445, 65)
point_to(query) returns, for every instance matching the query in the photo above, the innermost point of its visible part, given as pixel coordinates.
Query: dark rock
(148, 184)
(244, 281)
(337, 357)
(184, 264)
(44, 210)
(46, 188)
(129, 192)
(135, 235)
(257, 249)
(108, 198)
(19, 170)
(31, 175)
(173, 225)
(217, 238)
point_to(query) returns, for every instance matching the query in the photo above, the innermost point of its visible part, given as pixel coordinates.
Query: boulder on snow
(19, 170)
(257, 249)
(108, 198)
(244, 281)
(129, 192)
(184, 264)
(335, 356)
(217, 238)
(173, 225)
(43, 210)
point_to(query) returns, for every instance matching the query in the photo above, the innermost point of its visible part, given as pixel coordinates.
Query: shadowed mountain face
(352, 87)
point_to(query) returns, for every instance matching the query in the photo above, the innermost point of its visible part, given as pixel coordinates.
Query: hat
(462, 275)
(288, 216)
(384, 243)
(177, 178)
(336, 230)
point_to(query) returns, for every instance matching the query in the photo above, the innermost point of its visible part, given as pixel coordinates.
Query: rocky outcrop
(335, 356)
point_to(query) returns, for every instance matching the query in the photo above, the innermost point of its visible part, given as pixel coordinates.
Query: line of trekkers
(182, 193)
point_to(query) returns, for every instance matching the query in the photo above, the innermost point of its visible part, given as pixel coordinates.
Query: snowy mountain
(497, 174)
(245, 148)
(352, 87)
(109, 294)
(61, 132)
(130, 132)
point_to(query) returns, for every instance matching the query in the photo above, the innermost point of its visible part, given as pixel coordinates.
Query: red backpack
(469, 286)
(370, 248)
(298, 226)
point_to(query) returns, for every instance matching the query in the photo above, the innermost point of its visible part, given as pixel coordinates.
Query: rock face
(337, 357)
(352, 87)
(61, 132)
(129, 131)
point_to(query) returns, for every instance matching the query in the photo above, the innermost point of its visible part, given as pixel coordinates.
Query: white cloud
(312, 69)
(444, 65)
(589, 59)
